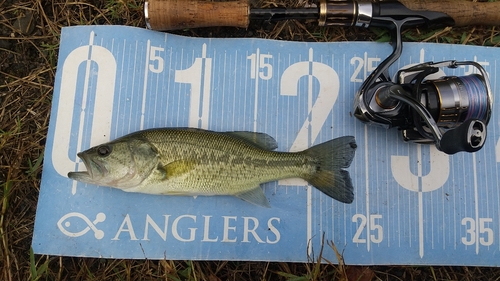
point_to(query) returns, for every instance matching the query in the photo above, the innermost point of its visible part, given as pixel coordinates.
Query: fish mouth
(93, 168)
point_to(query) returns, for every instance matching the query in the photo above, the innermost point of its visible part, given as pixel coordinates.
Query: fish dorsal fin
(260, 140)
(177, 168)
(255, 196)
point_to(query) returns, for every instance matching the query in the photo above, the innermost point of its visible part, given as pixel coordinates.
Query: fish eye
(104, 150)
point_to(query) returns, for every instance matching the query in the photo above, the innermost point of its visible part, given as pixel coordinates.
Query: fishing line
(478, 101)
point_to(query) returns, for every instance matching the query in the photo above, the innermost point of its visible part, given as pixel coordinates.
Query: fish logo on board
(67, 222)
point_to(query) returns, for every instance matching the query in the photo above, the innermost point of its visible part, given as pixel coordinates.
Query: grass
(28, 56)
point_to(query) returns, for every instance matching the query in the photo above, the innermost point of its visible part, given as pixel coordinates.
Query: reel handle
(469, 136)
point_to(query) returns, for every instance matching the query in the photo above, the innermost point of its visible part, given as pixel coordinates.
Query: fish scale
(222, 160)
(237, 162)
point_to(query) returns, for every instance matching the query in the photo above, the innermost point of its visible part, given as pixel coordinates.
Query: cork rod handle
(180, 14)
(464, 12)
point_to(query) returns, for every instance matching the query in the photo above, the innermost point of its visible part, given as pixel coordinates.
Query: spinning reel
(451, 112)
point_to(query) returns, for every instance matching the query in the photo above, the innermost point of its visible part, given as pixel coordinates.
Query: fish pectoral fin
(260, 140)
(178, 168)
(255, 196)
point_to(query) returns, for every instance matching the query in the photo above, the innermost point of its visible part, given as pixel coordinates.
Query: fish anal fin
(178, 168)
(255, 196)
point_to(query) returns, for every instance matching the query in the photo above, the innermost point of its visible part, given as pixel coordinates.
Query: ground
(29, 40)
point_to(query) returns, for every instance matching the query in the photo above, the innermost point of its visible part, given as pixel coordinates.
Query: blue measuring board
(413, 204)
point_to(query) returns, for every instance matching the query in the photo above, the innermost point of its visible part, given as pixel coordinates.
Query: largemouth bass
(199, 162)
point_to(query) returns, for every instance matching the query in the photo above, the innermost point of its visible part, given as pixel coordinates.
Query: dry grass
(29, 38)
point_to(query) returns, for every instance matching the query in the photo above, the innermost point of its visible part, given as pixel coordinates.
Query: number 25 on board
(375, 231)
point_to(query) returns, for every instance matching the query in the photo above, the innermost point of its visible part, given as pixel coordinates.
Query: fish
(192, 162)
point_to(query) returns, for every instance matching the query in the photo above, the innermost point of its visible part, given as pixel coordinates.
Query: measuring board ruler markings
(413, 204)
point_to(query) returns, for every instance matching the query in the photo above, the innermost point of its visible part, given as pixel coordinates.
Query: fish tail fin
(329, 177)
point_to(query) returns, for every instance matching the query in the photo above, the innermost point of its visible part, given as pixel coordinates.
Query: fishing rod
(180, 14)
(448, 111)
